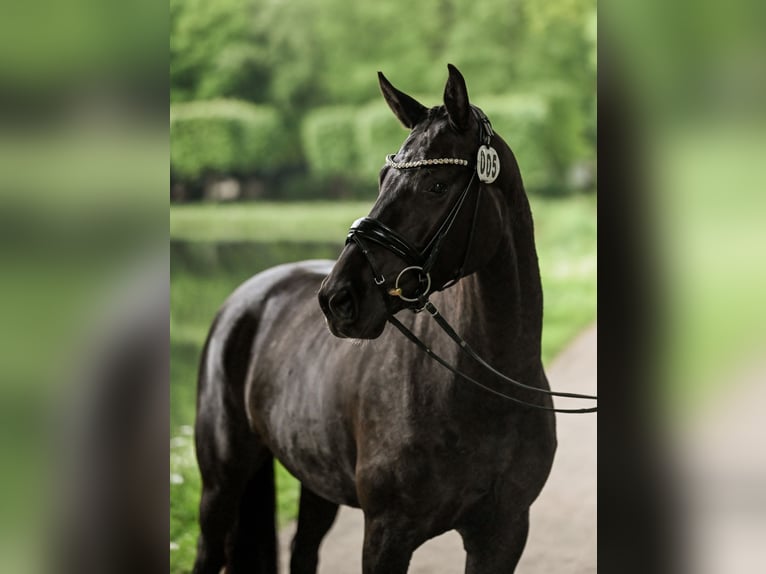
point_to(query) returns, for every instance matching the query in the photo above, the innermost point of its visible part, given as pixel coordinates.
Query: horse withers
(355, 410)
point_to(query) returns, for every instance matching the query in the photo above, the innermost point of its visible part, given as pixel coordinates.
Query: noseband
(370, 230)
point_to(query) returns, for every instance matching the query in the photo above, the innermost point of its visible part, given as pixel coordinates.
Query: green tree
(298, 56)
(217, 50)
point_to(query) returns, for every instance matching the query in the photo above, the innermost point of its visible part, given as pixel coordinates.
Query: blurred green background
(278, 131)
(84, 172)
(280, 100)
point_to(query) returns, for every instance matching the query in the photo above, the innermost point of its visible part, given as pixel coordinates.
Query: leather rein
(368, 230)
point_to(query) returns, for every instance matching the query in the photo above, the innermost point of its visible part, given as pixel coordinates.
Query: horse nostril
(342, 305)
(323, 302)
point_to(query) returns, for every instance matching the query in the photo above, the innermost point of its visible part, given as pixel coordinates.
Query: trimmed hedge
(379, 133)
(351, 143)
(566, 133)
(545, 132)
(329, 141)
(520, 119)
(225, 137)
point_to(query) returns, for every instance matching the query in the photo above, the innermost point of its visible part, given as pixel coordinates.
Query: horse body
(375, 423)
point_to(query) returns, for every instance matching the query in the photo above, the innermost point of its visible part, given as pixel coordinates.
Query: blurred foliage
(520, 119)
(328, 137)
(265, 221)
(379, 134)
(51, 49)
(226, 137)
(302, 56)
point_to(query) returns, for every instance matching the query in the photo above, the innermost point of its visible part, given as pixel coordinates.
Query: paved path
(721, 460)
(562, 535)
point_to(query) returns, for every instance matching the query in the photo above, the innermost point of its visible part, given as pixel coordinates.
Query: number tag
(487, 164)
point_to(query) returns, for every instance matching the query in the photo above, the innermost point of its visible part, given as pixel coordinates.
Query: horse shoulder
(228, 349)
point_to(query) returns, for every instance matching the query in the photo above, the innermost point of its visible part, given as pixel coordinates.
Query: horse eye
(438, 188)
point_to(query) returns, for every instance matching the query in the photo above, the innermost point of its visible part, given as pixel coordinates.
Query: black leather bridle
(368, 230)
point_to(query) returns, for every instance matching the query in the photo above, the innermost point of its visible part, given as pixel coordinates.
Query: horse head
(440, 213)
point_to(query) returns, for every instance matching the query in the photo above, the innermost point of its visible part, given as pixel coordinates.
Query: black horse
(365, 417)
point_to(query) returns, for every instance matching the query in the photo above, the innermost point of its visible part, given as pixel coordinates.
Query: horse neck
(505, 297)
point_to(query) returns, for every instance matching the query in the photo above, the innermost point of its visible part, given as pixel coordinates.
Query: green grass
(317, 221)
(565, 235)
(216, 247)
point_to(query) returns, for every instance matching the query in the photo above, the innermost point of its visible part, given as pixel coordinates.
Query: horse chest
(431, 463)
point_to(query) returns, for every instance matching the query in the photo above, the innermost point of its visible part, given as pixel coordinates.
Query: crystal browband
(424, 162)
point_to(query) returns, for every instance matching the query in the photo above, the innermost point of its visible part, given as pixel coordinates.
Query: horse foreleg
(236, 513)
(315, 517)
(253, 541)
(388, 545)
(217, 511)
(494, 545)
(237, 522)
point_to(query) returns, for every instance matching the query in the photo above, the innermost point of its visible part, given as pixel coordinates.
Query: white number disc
(487, 164)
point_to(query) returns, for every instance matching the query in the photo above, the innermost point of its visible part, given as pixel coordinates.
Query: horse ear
(407, 109)
(456, 99)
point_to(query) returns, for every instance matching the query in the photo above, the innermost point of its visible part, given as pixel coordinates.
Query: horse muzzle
(353, 309)
(341, 310)
(339, 305)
